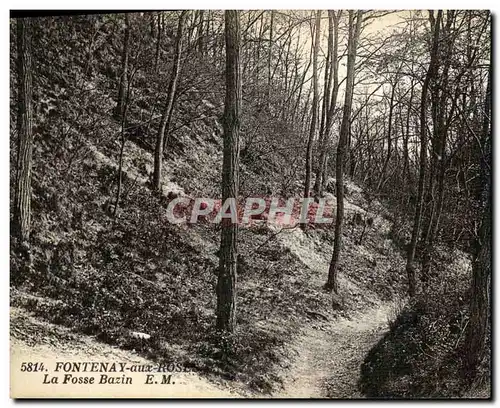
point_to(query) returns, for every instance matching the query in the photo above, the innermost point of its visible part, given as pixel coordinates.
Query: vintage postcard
(256, 204)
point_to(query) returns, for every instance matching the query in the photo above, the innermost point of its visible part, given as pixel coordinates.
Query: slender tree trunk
(259, 46)
(269, 59)
(201, 33)
(323, 159)
(407, 179)
(285, 84)
(161, 24)
(120, 163)
(207, 32)
(301, 89)
(289, 103)
(22, 200)
(327, 81)
(167, 112)
(389, 137)
(480, 305)
(305, 111)
(322, 146)
(226, 282)
(431, 72)
(314, 116)
(191, 23)
(354, 32)
(435, 192)
(122, 88)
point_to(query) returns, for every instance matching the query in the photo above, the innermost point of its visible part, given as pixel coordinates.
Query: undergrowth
(421, 355)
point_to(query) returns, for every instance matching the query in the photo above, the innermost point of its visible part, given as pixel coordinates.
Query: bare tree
(354, 32)
(326, 100)
(123, 86)
(430, 75)
(201, 40)
(167, 112)
(481, 267)
(389, 136)
(22, 203)
(226, 282)
(314, 116)
(122, 143)
(270, 58)
(161, 25)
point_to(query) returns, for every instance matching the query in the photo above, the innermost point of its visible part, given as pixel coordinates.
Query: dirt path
(330, 355)
(327, 364)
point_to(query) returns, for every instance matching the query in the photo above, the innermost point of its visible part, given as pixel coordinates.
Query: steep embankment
(166, 273)
(280, 296)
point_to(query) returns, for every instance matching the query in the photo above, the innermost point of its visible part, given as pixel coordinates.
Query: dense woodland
(388, 112)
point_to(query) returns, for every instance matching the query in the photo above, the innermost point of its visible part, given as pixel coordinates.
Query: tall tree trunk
(354, 31)
(122, 147)
(327, 81)
(167, 112)
(480, 305)
(269, 59)
(259, 47)
(152, 25)
(326, 106)
(191, 23)
(301, 88)
(122, 87)
(201, 33)
(22, 203)
(323, 159)
(430, 75)
(161, 24)
(286, 83)
(389, 136)
(407, 179)
(435, 193)
(226, 282)
(314, 115)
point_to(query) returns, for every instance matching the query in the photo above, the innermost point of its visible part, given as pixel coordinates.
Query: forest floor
(35, 340)
(327, 363)
(323, 353)
(290, 341)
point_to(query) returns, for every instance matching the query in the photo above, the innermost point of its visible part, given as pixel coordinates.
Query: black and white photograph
(250, 204)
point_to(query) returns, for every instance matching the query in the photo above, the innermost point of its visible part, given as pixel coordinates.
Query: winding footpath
(330, 355)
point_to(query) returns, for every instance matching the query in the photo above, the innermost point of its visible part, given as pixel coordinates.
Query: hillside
(170, 294)
(106, 274)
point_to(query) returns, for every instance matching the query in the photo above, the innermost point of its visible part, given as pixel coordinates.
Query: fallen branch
(271, 237)
(316, 314)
